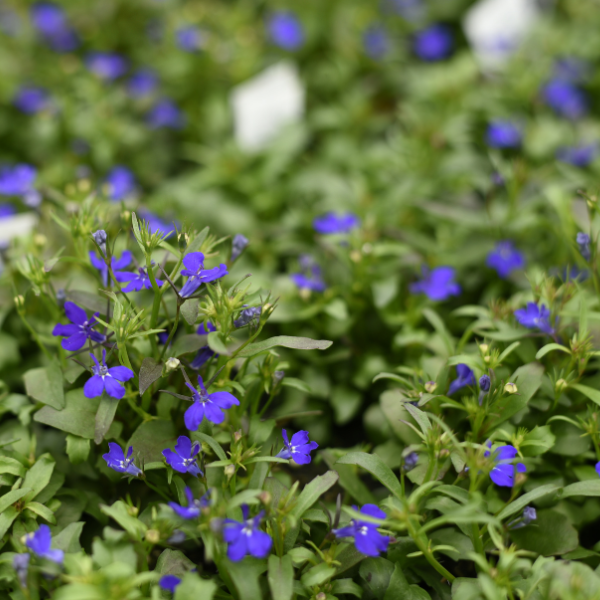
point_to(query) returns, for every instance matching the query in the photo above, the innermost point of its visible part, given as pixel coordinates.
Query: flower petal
(75, 342)
(114, 388)
(66, 330)
(93, 387)
(259, 544)
(121, 373)
(194, 261)
(214, 413)
(194, 415)
(183, 447)
(75, 314)
(224, 400)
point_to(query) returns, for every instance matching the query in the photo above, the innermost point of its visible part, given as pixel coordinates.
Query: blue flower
(598, 468)
(248, 316)
(40, 541)
(7, 210)
(238, 245)
(169, 582)
(583, 242)
(105, 379)
(117, 461)
(194, 269)
(503, 134)
(437, 284)
(503, 471)
(142, 83)
(565, 98)
(434, 43)
(285, 30)
(80, 331)
(106, 65)
(189, 38)
(528, 515)
(535, 317)
(376, 41)
(485, 383)
(298, 449)
(51, 22)
(138, 281)
(505, 258)
(21, 566)
(194, 505)
(165, 114)
(578, 156)
(335, 223)
(366, 537)
(205, 353)
(155, 224)
(31, 100)
(116, 263)
(464, 378)
(120, 182)
(309, 282)
(245, 537)
(410, 461)
(207, 405)
(184, 459)
(18, 180)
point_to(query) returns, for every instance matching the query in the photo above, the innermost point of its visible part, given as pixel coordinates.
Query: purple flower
(117, 461)
(194, 505)
(503, 134)
(565, 98)
(485, 383)
(248, 316)
(505, 258)
(106, 65)
(410, 461)
(169, 582)
(434, 43)
(535, 317)
(80, 331)
(189, 38)
(298, 449)
(245, 537)
(21, 566)
(285, 30)
(52, 24)
(376, 41)
(156, 224)
(366, 537)
(578, 156)
(39, 543)
(205, 353)
(116, 263)
(194, 269)
(308, 282)
(142, 83)
(335, 223)
(184, 459)
(598, 468)
(7, 210)
(165, 114)
(120, 182)
(583, 242)
(503, 472)
(437, 284)
(238, 245)
(464, 378)
(207, 405)
(105, 379)
(17, 180)
(138, 281)
(31, 100)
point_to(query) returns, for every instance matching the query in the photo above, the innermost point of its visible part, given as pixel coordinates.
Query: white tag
(17, 225)
(265, 104)
(495, 28)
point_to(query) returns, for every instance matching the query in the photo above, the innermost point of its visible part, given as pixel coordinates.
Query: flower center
(189, 461)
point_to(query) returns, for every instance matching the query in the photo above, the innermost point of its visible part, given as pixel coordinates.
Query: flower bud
(19, 302)
(265, 498)
(484, 348)
(529, 515)
(278, 376)
(238, 245)
(484, 383)
(153, 536)
(520, 479)
(430, 387)
(183, 240)
(510, 388)
(355, 256)
(172, 364)
(100, 238)
(229, 470)
(237, 435)
(410, 461)
(40, 240)
(321, 596)
(177, 537)
(561, 385)
(583, 241)
(133, 511)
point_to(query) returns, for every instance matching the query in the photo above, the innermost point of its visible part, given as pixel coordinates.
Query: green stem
(423, 547)
(156, 304)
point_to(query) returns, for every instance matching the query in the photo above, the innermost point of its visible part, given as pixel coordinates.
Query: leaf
(520, 503)
(12, 497)
(438, 324)
(346, 586)
(137, 233)
(192, 586)
(78, 449)
(68, 539)
(46, 385)
(189, 310)
(419, 416)
(132, 525)
(244, 576)
(588, 392)
(104, 417)
(582, 488)
(281, 577)
(286, 341)
(150, 371)
(38, 477)
(11, 466)
(173, 562)
(317, 575)
(508, 351)
(196, 243)
(151, 438)
(550, 534)
(216, 344)
(42, 511)
(550, 348)
(7, 517)
(349, 480)
(188, 343)
(89, 301)
(374, 465)
(203, 437)
(312, 492)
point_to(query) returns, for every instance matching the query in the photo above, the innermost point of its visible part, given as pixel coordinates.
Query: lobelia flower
(335, 223)
(485, 383)
(434, 43)
(528, 515)
(21, 565)
(79, 331)
(142, 83)
(410, 461)
(7, 210)
(238, 245)
(245, 537)
(189, 38)
(40, 541)
(169, 582)
(116, 264)
(535, 317)
(503, 134)
(194, 505)
(31, 100)
(437, 284)
(105, 379)
(285, 30)
(366, 537)
(17, 180)
(565, 98)
(194, 269)
(503, 471)
(106, 65)
(311, 279)
(505, 258)
(248, 316)
(578, 156)
(376, 41)
(120, 183)
(138, 281)
(207, 405)
(205, 353)
(165, 114)
(100, 238)
(51, 22)
(583, 242)
(117, 461)
(184, 458)
(298, 449)
(598, 468)
(465, 377)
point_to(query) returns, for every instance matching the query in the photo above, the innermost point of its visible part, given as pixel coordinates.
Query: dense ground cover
(358, 361)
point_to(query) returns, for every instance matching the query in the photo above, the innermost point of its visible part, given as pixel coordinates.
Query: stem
(156, 304)
(427, 553)
(173, 329)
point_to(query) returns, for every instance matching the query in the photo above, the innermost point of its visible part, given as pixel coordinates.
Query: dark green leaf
(189, 310)
(151, 438)
(286, 341)
(312, 492)
(520, 503)
(46, 385)
(37, 478)
(549, 535)
(68, 539)
(216, 344)
(12, 497)
(131, 524)
(104, 417)
(188, 343)
(78, 449)
(281, 577)
(374, 465)
(582, 488)
(150, 371)
(91, 302)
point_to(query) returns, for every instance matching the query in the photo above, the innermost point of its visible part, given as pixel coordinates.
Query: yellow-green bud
(172, 364)
(19, 302)
(430, 387)
(230, 470)
(510, 388)
(153, 536)
(561, 385)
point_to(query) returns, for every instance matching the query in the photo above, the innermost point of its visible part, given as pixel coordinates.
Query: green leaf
(42, 511)
(92, 302)
(346, 586)
(286, 341)
(7, 517)
(189, 310)
(582, 488)
(136, 232)
(438, 324)
(507, 351)
(192, 586)
(588, 392)
(281, 577)
(173, 562)
(105, 416)
(349, 480)
(297, 384)
(11, 466)
(203, 437)
(244, 577)
(550, 348)
(12, 497)
(419, 416)
(132, 525)
(78, 449)
(68, 539)
(317, 575)
(151, 438)
(376, 573)
(46, 385)
(312, 492)
(196, 243)
(187, 344)
(520, 503)
(217, 345)
(38, 476)
(374, 465)
(150, 371)
(550, 534)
